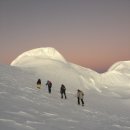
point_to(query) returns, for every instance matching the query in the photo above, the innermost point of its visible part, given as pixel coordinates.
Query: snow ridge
(38, 53)
(50, 64)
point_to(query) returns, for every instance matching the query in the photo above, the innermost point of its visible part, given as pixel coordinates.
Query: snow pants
(63, 93)
(81, 101)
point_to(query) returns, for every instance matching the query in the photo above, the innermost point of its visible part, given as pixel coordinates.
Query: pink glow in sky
(91, 33)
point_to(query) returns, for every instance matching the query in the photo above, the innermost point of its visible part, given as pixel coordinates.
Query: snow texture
(24, 107)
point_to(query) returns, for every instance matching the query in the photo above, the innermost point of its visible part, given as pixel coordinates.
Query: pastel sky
(91, 33)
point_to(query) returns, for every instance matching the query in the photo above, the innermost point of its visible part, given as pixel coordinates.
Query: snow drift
(48, 63)
(39, 53)
(24, 107)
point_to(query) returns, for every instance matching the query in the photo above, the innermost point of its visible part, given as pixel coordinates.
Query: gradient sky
(91, 33)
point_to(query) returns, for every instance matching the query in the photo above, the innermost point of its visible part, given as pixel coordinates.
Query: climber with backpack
(63, 91)
(49, 84)
(80, 96)
(39, 83)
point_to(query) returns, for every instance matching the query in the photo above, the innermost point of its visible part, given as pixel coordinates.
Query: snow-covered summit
(38, 53)
(121, 66)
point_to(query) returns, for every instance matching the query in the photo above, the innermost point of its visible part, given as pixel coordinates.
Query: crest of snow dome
(38, 53)
(121, 66)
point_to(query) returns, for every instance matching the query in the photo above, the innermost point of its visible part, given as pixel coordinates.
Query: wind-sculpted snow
(48, 63)
(24, 107)
(39, 53)
(122, 67)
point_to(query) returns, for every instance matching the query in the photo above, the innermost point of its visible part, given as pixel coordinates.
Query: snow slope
(24, 107)
(50, 64)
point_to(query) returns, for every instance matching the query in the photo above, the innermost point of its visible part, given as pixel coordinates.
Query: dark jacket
(49, 83)
(39, 81)
(62, 89)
